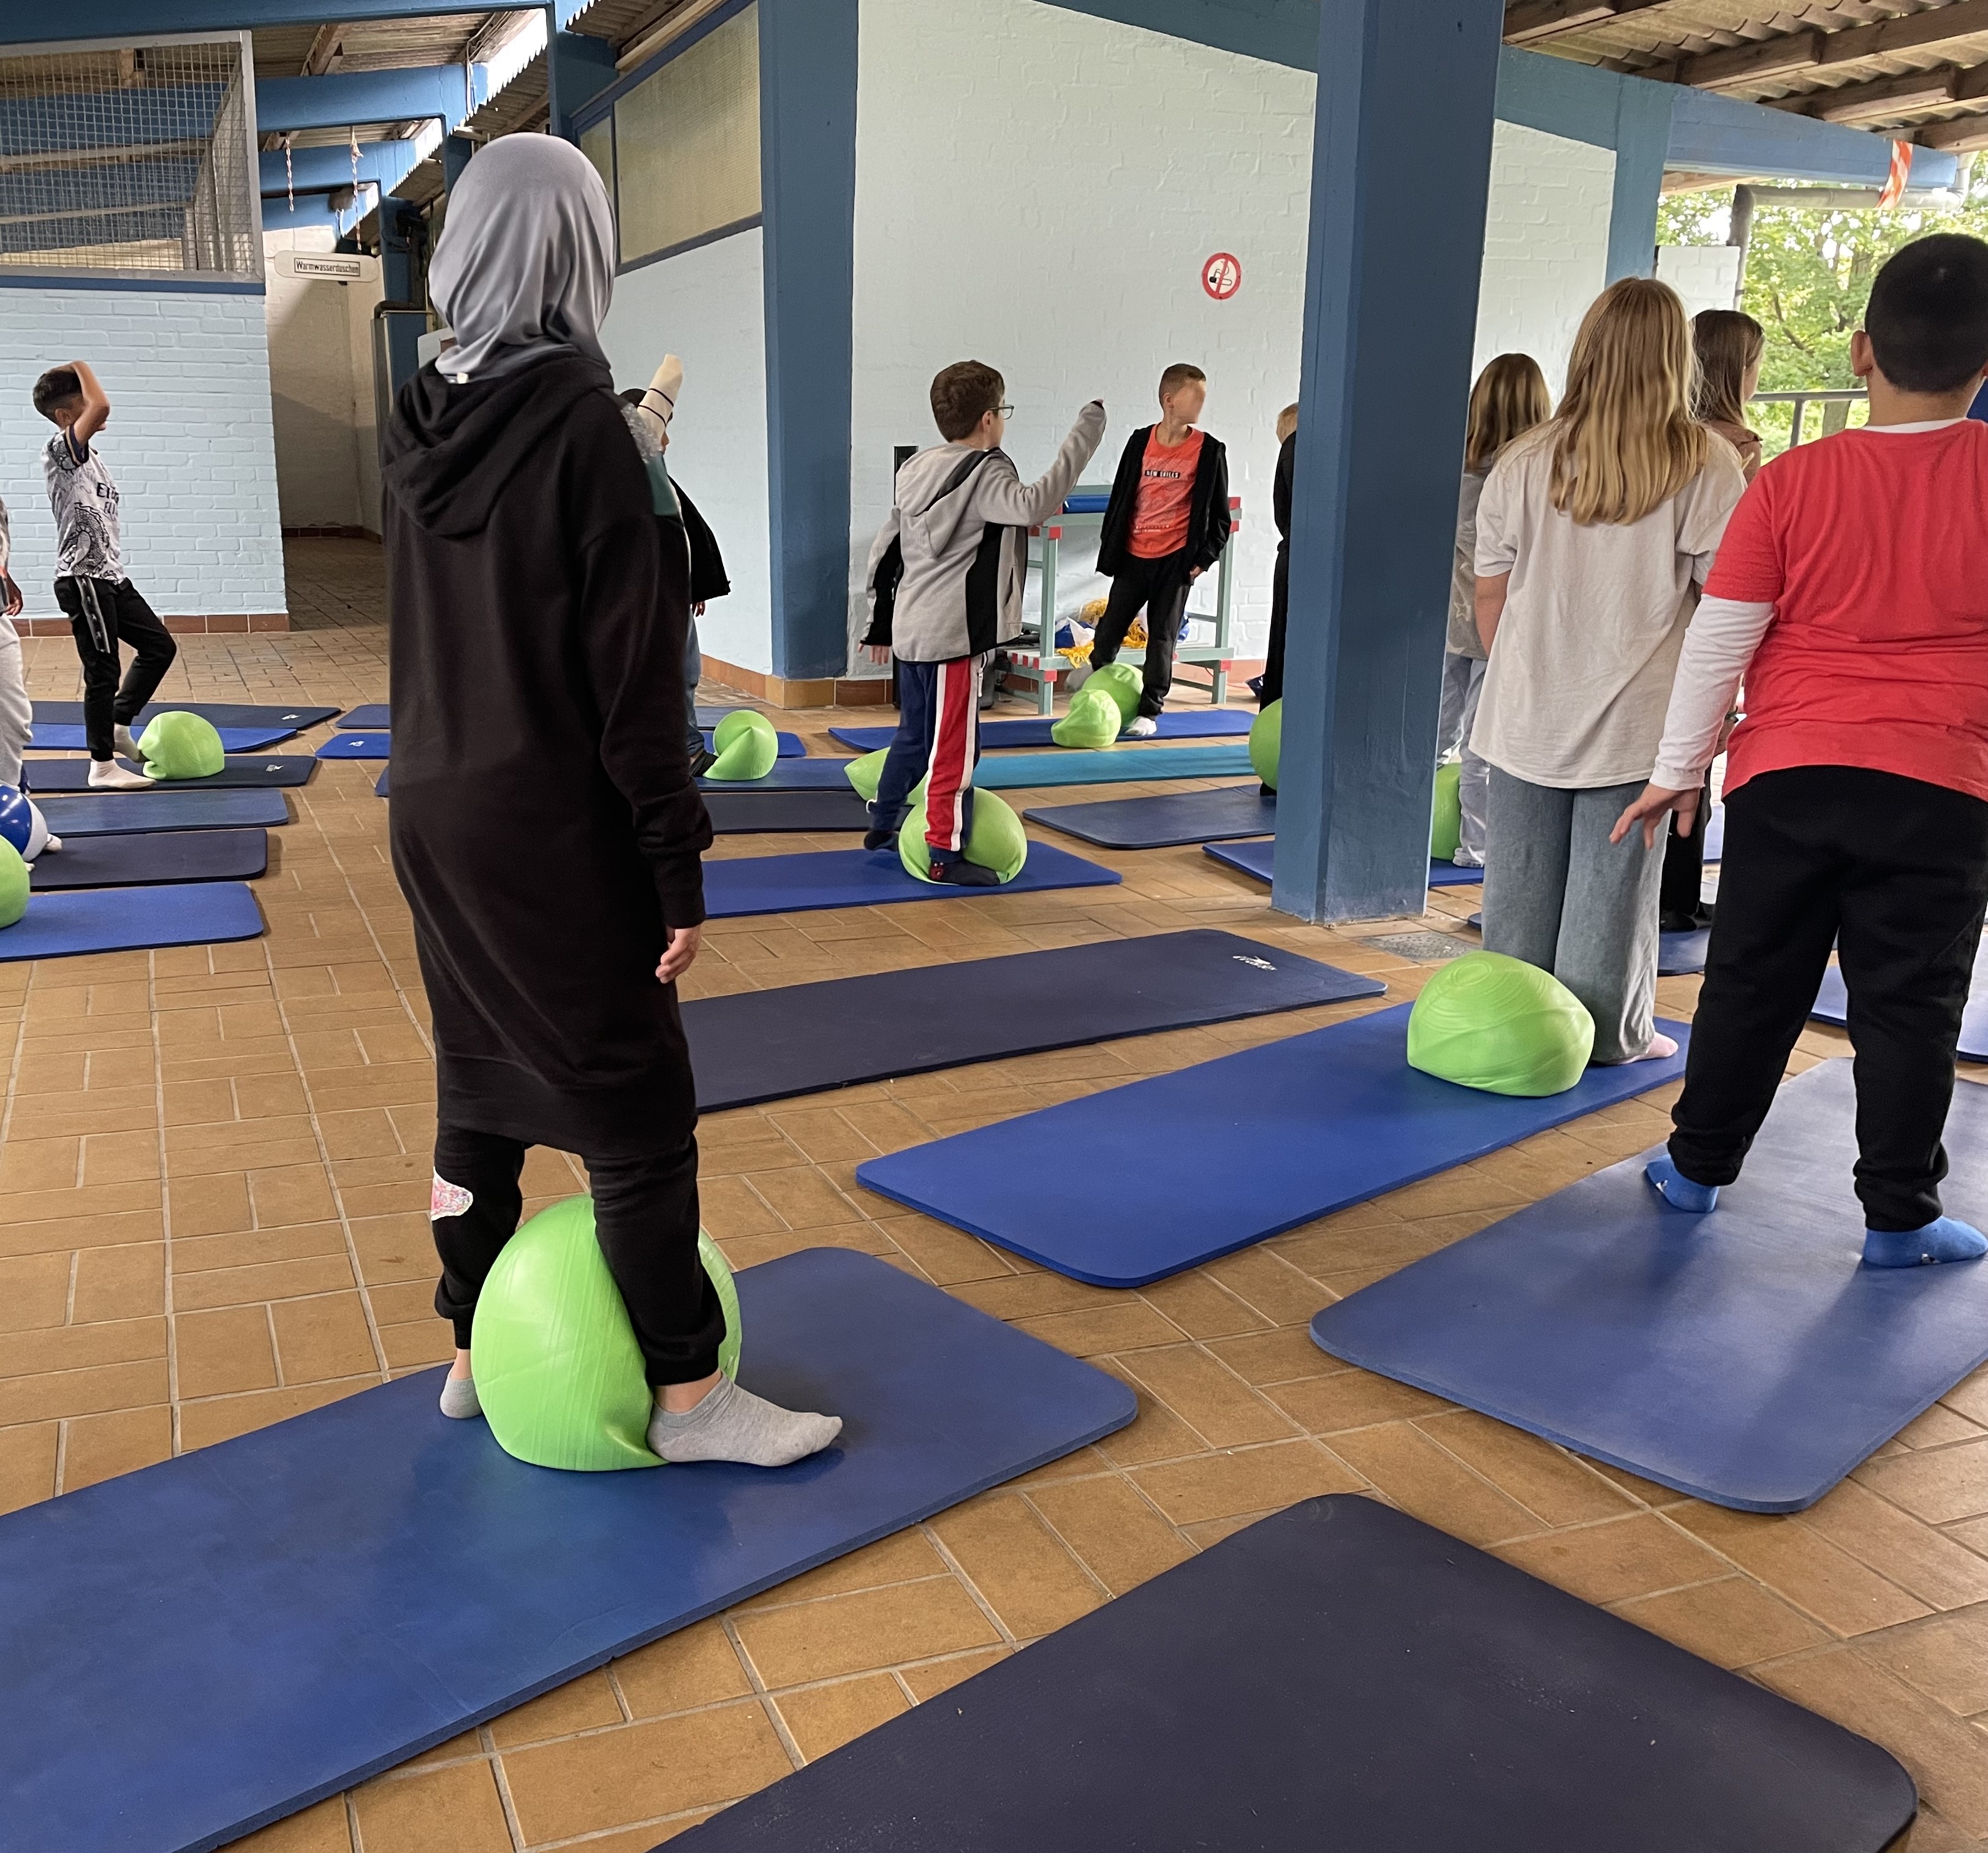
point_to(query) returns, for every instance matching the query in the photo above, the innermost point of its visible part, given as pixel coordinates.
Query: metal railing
(1801, 402)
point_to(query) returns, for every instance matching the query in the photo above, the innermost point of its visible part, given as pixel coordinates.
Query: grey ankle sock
(459, 1398)
(732, 1424)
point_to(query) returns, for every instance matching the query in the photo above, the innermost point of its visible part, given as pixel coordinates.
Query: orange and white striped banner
(1901, 168)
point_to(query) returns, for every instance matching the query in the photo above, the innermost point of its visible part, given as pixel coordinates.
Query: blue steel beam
(352, 96)
(113, 20)
(322, 169)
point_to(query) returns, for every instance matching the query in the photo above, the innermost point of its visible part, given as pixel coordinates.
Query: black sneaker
(960, 872)
(1677, 923)
(701, 762)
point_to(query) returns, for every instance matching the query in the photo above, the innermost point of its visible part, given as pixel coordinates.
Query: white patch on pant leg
(447, 1199)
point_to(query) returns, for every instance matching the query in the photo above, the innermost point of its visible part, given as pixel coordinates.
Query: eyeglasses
(1006, 411)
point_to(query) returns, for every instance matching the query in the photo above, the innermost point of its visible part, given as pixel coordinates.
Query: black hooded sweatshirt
(545, 824)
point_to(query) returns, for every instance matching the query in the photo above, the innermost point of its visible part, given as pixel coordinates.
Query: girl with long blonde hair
(1510, 398)
(1595, 533)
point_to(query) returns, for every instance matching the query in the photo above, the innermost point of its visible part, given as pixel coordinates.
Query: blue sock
(1679, 1191)
(1947, 1239)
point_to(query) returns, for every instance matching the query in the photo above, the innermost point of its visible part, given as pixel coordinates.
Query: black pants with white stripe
(102, 613)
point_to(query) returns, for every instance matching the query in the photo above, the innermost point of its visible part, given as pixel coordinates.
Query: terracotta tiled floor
(211, 1198)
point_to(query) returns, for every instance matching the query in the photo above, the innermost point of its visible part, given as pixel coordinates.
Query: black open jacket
(1208, 515)
(546, 828)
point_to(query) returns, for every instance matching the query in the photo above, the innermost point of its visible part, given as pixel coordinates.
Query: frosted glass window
(686, 143)
(597, 144)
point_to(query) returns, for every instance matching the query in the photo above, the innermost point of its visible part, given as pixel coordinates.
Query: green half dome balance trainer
(557, 1368)
(13, 884)
(865, 774)
(1266, 742)
(997, 840)
(1094, 720)
(746, 744)
(178, 746)
(1498, 1024)
(1446, 815)
(1123, 683)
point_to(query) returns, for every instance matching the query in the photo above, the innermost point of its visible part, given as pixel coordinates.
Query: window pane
(597, 144)
(687, 142)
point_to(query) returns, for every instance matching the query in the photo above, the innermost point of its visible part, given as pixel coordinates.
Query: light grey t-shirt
(85, 502)
(1594, 619)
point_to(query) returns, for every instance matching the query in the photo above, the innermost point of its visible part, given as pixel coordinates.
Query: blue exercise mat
(60, 736)
(357, 746)
(1136, 1183)
(1193, 724)
(379, 784)
(1832, 1006)
(1110, 766)
(860, 878)
(747, 812)
(1745, 1357)
(131, 919)
(1165, 820)
(1340, 1678)
(222, 714)
(126, 813)
(242, 774)
(789, 775)
(757, 1046)
(1680, 953)
(377, 717)
(155, 857)
(201, 1647)
(1255, 859)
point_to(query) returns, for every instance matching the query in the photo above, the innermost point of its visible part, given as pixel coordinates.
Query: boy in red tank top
(1851, 594)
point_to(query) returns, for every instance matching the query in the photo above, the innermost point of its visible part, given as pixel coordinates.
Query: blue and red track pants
(938, 739)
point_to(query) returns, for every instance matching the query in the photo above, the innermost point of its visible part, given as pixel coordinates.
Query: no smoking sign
(1222, 275)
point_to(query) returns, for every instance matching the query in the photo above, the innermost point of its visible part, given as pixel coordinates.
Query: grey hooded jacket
(946, 571)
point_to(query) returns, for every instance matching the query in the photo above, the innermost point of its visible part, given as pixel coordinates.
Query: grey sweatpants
(1462, 683)
(1559, 895)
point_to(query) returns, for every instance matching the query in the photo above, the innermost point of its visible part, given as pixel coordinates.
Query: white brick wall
(1546, 245)
(189, 441)
(708, 306)
(321, 385)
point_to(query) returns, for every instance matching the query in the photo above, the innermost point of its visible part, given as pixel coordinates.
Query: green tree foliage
(1808, 277)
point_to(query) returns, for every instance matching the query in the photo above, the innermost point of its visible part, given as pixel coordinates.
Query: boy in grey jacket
(945, 582)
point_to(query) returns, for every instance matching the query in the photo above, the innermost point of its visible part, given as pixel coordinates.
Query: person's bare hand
(1657, 802)
(685, 944)
(1195, 572)
(879, 654)
(13, 596)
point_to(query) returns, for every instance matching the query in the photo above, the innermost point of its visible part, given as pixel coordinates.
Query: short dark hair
(962, 394)
(1178, 376)
(1928, 318)
(57, 386)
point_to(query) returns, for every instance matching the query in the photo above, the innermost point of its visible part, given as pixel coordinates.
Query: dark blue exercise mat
(130, 813)
(1193, 724)
(60, 736)
(789, 775)
(222, 714)
(204, 1646)
(1679, 955)
(860, 878)
(243, 774)
(1832, 1006)
(1256, 860)
(1123, 1187)
(131, 920)
(377, 717)
(1745, 1357)
(767, 1045)
(1111, 765)
(379, 784)
(746, 812)
(363, 745)
(158, 856)
(1166, 821)
(1340, 1675)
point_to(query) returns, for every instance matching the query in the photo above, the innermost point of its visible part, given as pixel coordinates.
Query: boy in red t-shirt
(1165, 524)
(1852, 593)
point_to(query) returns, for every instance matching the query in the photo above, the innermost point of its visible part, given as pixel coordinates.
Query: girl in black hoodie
(545, 825)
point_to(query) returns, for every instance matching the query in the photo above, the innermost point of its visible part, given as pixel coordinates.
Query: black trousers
(1683, 886)
(1271, 685)
(645, 1219)
(1159, 586)
(1895, 872)
(101, 613)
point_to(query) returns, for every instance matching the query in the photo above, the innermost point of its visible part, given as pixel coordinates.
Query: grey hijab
(526, 259)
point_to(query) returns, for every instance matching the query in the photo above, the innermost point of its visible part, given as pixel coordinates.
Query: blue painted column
(1400, 173)
(807, 180)
(577, 69)
(1642, 141)
(456, 150)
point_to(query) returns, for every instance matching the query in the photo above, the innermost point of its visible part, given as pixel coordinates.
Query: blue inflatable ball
(17, 818)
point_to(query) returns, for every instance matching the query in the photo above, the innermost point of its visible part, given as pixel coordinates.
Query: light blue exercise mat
(1190, 724)
(1256, 859)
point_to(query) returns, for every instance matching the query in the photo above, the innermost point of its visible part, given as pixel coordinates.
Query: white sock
(732, 1424)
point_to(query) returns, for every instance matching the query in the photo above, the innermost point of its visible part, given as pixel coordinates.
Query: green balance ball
(1094, 721)
(866, 773)
(1446, 817)
(997, 840)
(1123, 684)
(557, 1368)
(179, 745)
(1266, 741)
(13, 884)
(746, 745)
(1498, 1024)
